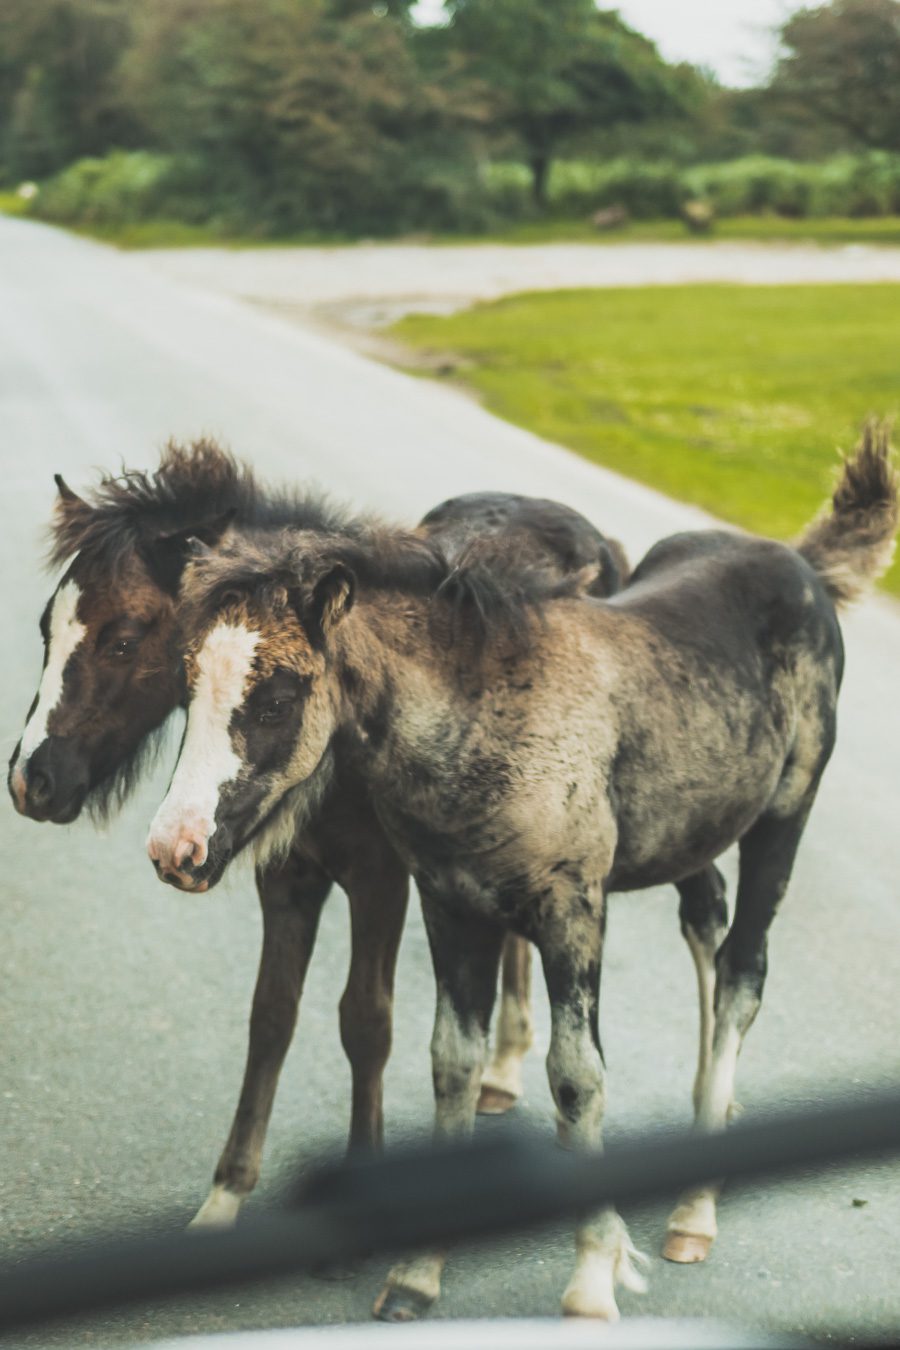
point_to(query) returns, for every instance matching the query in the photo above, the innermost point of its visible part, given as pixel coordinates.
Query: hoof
(395, 1304)
(686, 1248)
(219, 1211)
(579, 1304)
(495, 1101)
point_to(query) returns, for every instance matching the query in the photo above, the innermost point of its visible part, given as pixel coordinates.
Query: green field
(735, 398)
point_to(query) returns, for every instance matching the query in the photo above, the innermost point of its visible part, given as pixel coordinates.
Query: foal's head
(112, 661)
(261, 712)
(265, 695)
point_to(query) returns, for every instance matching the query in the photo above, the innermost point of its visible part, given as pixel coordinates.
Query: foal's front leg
(465, 952)
(291, 896)
(501, 1083)
(605, 1255)
(378, 889)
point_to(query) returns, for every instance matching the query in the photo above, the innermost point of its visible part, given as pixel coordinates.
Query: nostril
(40, 787)
(184, 855)
(190, 852)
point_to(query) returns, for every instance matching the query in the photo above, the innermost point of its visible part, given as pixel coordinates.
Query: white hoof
(219, 1210)
(691, 1230)
(592, 1289)
(590, 1292)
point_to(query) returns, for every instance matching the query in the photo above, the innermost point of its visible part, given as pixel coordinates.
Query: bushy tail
(852, 545)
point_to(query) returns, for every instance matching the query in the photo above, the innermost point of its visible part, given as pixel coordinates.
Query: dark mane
(192, 485)
(110, 794)
(268, 566)
(495, 593)
(484, 594)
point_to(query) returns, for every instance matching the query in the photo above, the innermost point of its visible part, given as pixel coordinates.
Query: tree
(58, 97)
(556, 72)
(842, 62)
(297, 116)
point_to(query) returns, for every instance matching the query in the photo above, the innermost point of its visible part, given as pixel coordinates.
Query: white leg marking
(186, 818)
(219, 1210)
(501, 1082)
(704, 963)
(514, 1037)
(66, 631)
(692, 1226)
(605, 1255)
(457, 1058)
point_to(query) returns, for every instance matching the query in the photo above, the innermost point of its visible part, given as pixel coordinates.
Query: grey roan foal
(528, 752)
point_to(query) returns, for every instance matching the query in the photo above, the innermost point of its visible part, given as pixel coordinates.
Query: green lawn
(731, 397)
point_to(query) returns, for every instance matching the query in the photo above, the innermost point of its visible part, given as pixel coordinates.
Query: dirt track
(371, 284)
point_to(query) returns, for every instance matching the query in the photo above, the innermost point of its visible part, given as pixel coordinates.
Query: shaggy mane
(480, 596)
(192, 485)
(108, 796)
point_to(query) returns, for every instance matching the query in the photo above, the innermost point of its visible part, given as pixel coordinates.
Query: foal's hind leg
(465, 952)
(292, 897)
(767, 853)
(378, 890)
(703, 913)
(501, 1083)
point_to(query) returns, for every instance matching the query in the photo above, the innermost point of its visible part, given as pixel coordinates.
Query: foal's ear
(613, 570)
(66, 495)
(167, 554)
(210, 533)
(332, 598)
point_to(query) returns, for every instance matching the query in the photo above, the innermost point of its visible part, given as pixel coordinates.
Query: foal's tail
(852, 545)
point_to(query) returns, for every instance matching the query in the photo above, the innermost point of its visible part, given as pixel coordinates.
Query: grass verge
(768, 229)
(832, 231)
(731, 397)
(11, 204)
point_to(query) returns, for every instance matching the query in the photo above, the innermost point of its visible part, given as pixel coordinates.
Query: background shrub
(123, 188)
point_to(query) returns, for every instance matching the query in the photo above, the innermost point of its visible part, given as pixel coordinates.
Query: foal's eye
(123, 649)
(275, 710)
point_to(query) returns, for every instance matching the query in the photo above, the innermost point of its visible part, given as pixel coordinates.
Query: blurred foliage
(555, 73)
(298, 117)
(127, 187)
(58, 93)
(290, 117)
(845, 185)
(122, 188)
(842, 62)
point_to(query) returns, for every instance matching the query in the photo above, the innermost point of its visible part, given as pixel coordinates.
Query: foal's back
(731, 597)
(728, 660)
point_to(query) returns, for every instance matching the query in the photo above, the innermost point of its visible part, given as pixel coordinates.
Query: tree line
(279, 115)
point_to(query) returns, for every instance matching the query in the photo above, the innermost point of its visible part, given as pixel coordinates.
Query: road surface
(123, 1004)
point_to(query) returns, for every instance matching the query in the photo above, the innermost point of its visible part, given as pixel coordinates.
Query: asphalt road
(123, 1004)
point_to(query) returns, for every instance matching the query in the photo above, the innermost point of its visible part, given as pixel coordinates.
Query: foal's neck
(398, 685)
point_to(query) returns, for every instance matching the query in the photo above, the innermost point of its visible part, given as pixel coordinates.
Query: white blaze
(66, 631)
(207, 758)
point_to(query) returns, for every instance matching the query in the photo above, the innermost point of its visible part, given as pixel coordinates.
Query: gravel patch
(368, 286)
